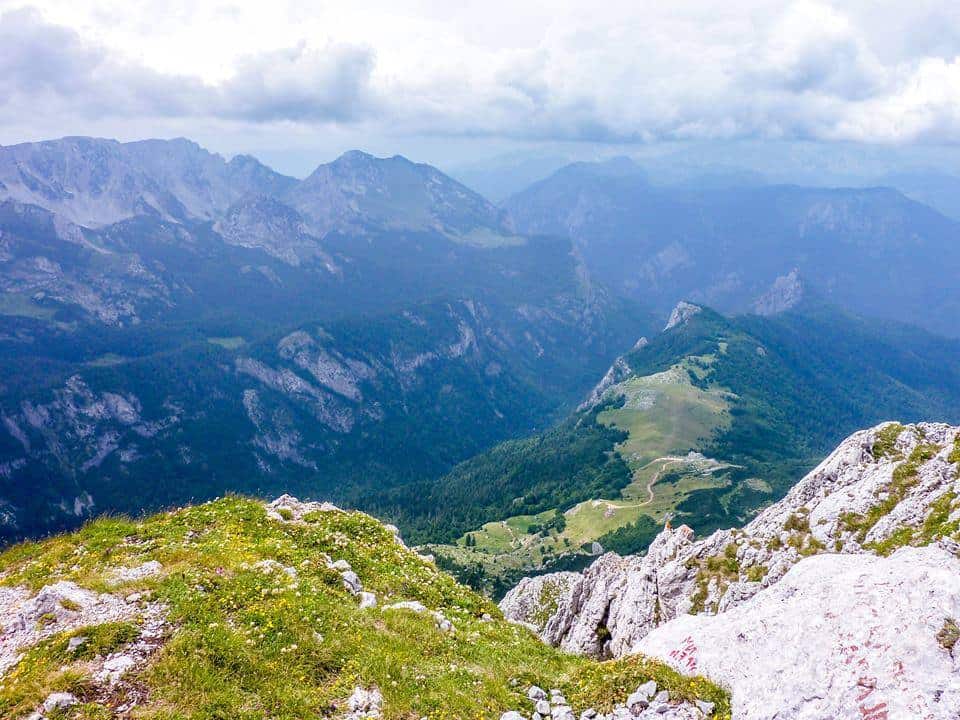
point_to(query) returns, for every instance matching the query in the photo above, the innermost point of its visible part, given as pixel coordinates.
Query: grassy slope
(244, 644)
(662, 417)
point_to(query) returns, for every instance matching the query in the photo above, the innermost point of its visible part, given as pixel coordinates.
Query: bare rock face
(263, 222)
(840, 636)
(616, 601)
(785, 293)
(682, 312)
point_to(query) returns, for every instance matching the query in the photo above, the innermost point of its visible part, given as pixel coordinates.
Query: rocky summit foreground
(840, 601)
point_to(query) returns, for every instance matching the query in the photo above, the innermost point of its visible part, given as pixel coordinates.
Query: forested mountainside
(871, 251)
(705, 424)
(174, 326)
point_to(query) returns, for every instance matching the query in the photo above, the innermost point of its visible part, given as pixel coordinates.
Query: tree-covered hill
(707, 423)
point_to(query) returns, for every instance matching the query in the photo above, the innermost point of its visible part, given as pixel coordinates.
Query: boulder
(841, 636)
(59, 701)
(536, 693)
(351, 581)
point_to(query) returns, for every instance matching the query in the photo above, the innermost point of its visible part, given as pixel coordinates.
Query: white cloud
(603, 72)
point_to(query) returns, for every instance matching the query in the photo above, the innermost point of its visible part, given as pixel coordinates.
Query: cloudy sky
(461, 79)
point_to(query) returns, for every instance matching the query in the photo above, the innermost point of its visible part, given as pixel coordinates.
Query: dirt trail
(664, 462)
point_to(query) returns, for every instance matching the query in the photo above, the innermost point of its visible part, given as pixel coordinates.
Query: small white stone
(536, 693)
(59, 701)
(351, 582)
(648, 689)
(704, 706)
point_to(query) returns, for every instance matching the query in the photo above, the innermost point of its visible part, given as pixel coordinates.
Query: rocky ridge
(880, 517)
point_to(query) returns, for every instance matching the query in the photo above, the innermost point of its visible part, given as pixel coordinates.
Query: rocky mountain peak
(682, 312)
(357, 158)
(96, 182)
(358, 190)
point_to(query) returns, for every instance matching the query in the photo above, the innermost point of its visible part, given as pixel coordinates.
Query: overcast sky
(463, 79)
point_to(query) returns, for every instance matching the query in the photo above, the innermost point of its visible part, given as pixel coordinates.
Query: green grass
(665, 414)
(505, 550)
(249, 644)
(954, 456)
(885, 444)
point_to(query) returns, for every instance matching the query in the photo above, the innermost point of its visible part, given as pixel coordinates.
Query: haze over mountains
(872, 251)
(185, 326)
(176, 326)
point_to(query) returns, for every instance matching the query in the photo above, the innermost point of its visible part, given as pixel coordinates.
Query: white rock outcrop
(56, 608)
(845, 637)
(290, 509)
(645, 703)
(881, 489)
(682, 312)
(364, 703)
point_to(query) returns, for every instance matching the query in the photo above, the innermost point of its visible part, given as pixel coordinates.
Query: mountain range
(186, 326)
(590, 401)
(872, 251)
(174, 325)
